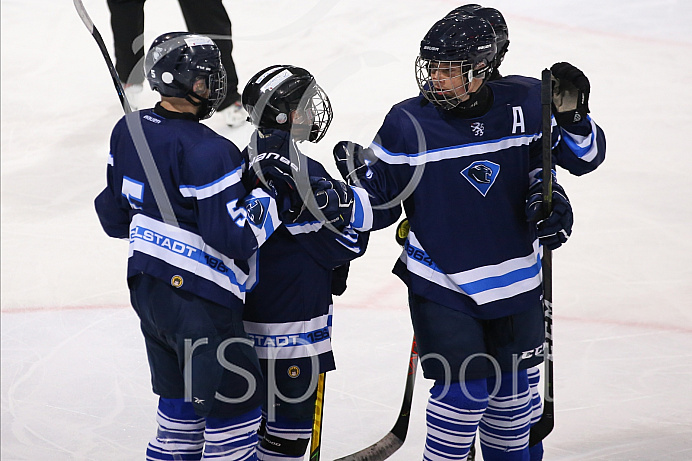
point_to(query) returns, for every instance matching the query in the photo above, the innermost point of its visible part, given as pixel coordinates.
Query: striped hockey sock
(504, 428)
(232, 439)
(284, 440)
(452, 419)
(180, 435)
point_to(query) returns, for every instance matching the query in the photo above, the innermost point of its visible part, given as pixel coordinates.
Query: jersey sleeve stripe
(213, 188)
(447, 153)
(584, 147)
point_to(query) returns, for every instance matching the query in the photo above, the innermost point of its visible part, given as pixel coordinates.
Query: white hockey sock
(180, 434)
(232, 439)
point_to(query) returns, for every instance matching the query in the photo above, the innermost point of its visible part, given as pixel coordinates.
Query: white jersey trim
(483, 284)
(290, 340)
(186, 250)
(448, 153)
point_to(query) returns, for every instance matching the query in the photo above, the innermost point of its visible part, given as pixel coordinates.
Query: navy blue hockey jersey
(463, 183)
(189, 220)
(289, 305)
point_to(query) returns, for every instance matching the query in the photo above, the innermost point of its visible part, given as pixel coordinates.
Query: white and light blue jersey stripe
(482, 284)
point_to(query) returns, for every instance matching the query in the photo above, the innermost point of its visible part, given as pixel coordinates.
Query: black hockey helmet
(460, 42)
(289, 99)
(495, 18)
(470, 8)
(176, 61)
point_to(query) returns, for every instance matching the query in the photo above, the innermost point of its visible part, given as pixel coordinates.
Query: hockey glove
(339, 276)
(272, 171)
(554, 230)
(334, 201)
(351, 159)
(571, 91)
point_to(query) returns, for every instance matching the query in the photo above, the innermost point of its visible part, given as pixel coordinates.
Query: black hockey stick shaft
(134, 124)
(545, 425)
(316, 438)
(391, 442)
(104, 51)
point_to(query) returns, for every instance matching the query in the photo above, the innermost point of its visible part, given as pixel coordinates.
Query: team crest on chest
(482, 175)
(477, 128)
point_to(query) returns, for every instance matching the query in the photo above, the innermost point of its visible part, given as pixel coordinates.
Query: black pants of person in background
(206, 17)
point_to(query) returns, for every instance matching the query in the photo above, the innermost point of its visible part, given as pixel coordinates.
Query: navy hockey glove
(339, 276)
(334, 201)
(350, 160)
(554, 230)
(571, 91)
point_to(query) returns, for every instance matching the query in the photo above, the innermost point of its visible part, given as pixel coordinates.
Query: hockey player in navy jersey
(571, 87)
(288, 311)
(464, 156)
(174, 189)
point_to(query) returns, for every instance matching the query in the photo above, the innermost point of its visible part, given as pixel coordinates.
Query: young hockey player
(288, 312)
(578, 161)
(174, 189)
(465, 154)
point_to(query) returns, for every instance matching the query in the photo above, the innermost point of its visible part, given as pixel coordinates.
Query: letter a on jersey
(481, 174)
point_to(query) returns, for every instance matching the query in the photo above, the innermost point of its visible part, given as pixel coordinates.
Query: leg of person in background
(209, 17)
(127, 24)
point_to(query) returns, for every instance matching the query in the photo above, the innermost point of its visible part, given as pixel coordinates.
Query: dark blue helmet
(177, 61)
(461, 37)
(289, 99)
(459, 47)
(495, 18)
(470, 9)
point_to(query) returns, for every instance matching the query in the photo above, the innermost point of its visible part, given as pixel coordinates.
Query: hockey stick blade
(104, 51)
(395, 438)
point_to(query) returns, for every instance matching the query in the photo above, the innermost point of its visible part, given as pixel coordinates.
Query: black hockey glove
(350, 160)
(571, 91)
(334, 201)
(272, 171)
(554, 230)
(339, 276)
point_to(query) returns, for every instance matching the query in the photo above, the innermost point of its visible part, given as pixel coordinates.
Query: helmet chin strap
(202, 104)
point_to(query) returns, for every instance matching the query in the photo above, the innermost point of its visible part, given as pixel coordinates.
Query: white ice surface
(75, 382)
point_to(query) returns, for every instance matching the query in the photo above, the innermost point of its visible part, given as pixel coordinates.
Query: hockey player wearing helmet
(174, 189)
(466, 155)
(570, 84)
(304, 262)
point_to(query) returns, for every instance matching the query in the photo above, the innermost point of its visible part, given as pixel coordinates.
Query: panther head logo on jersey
(256, 211)
(482, 175)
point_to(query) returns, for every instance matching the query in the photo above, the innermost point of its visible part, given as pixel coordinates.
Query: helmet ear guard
(289, 99)
(176, 61)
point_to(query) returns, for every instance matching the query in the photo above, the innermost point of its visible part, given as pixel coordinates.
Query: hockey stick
(104, 51)
(316, 438)
(545, 425)
(135, 126)
(391, 442)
